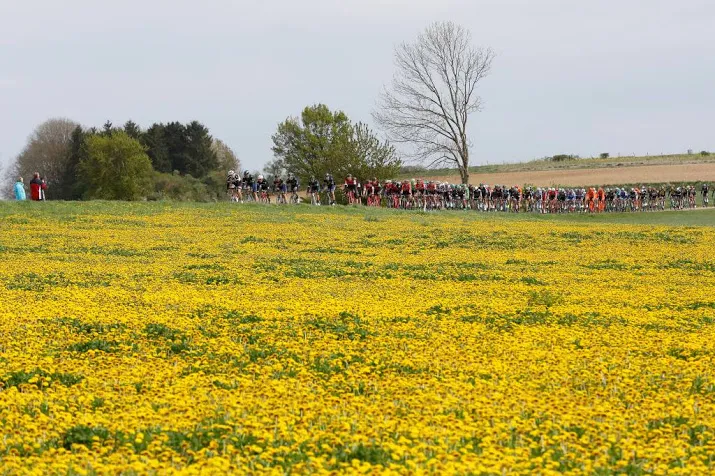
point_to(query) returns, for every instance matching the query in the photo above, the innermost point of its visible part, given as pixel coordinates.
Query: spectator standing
(37, 188)
(20, 189)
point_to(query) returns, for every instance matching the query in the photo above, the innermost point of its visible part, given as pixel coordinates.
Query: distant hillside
(566, 164)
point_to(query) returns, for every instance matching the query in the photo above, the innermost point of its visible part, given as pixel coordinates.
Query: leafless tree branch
(432, 94)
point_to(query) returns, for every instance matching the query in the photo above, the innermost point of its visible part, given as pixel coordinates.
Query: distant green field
(74, 211)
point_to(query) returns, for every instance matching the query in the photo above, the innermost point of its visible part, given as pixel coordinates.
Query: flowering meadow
(142, 338)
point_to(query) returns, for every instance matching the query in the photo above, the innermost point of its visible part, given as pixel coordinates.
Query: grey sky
(571, 76)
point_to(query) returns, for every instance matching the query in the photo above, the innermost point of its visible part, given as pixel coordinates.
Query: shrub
(563, 157)
(178, 187)
(185, 188)
(704, 153)
(605, 155)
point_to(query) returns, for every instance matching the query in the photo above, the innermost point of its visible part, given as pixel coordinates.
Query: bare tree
(227, 159)
(432, 95)
(46, 152)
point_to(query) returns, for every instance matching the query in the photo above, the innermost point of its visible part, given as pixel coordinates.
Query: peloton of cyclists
(436, 195)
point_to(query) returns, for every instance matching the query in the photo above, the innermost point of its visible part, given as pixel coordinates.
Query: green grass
(667, 218)
(45, 214)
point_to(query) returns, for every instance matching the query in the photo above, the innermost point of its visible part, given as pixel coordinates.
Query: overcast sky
(571, 76)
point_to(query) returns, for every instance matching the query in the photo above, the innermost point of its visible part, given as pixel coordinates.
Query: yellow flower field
(238, 339)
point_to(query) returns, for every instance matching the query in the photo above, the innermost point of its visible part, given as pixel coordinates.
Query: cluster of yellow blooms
(198, 339)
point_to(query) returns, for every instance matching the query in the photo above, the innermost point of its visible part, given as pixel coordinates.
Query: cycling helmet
(260, 177)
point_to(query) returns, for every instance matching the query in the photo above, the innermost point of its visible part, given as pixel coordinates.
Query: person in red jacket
(37, 188)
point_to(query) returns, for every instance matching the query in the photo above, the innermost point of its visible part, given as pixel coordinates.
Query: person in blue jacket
(19, 189)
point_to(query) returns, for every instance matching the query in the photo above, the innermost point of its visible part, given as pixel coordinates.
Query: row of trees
(426, 111)
(174, 160)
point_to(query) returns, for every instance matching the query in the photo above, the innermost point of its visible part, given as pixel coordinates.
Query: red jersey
(37, 187)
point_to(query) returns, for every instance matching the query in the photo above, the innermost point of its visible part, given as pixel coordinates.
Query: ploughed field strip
(612, 175)
(241, 339)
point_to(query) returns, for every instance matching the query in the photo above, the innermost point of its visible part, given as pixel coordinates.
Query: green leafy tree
(324, 141)
(371, 156)
(315, 143)
(116, 167)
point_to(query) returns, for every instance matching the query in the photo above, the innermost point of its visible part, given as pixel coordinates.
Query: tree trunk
(464, 169)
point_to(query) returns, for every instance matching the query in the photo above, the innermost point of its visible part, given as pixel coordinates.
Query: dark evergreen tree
(154, 139)
(201, 156)
(176, 144)
(107, 129)
(132, 129)
(72, 186)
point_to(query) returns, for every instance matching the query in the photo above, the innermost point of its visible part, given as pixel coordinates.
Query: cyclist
(692, 195)
(661, 197)
(231, 185)
(293, 186)
(314, 191)
(467, 197)
(601, 196)
(360, 191)
(261, 187)
(420, 193)
(277, 184)
(515, 198)
(247, 184)
(372, 192)
(561, 200)
(350, 189)
(610, 198)
(329, 188)
(591, 199)
(705, 190)
(281, 189)
(406, 192)
(392, 189)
